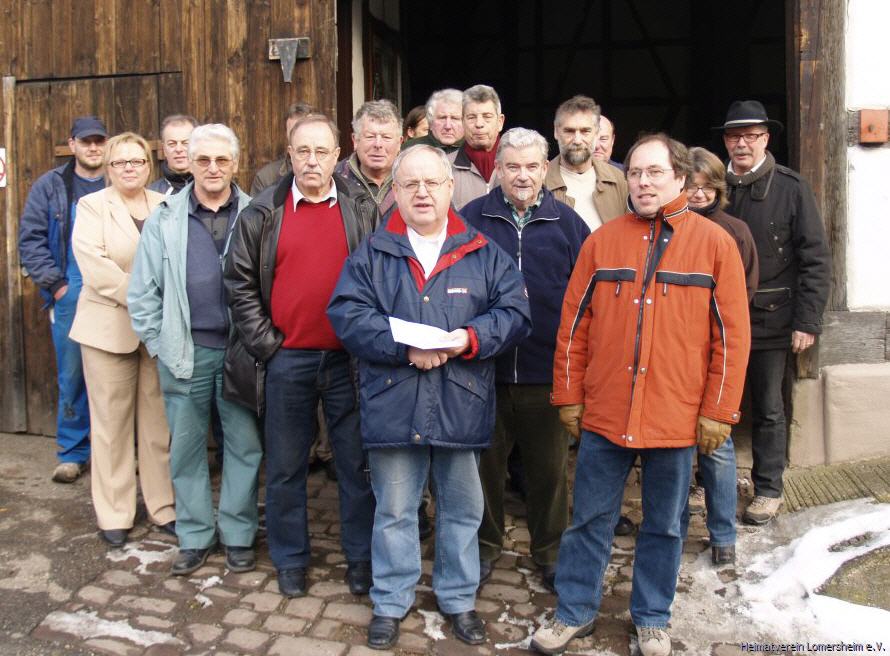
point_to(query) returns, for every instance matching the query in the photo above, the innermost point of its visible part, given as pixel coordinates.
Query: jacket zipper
(633, 383)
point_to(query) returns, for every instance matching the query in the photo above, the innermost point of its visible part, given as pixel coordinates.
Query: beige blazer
(104, 242)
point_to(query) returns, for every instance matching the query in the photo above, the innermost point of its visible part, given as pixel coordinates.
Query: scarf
(483, 159)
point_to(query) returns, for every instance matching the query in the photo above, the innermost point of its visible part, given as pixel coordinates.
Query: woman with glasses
(126, 406)
(716, 480)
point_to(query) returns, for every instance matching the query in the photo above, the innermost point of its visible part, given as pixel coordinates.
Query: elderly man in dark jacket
(431, 409)
(286, 256)
(544, 236)
(780, 209)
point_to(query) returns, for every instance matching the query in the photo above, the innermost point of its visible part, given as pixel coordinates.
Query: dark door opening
(651, 65)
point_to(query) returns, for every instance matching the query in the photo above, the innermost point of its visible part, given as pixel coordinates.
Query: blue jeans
(73, 419)
(602, 469)
(717, 475)
(398, 477)
(187, 402)
(295, 379)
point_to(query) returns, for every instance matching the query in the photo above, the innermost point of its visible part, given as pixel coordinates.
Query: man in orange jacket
(650, 361)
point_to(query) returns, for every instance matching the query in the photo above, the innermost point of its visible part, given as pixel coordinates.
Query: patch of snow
(433, 623)
(87, 624)
(780, 568)
(145, 556)
(529, 625)
(206, 583)
(203, 600)
(533, 580)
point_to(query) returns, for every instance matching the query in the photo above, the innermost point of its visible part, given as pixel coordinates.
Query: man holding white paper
(427, 411)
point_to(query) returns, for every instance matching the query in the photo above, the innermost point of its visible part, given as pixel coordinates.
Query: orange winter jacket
(654, 329)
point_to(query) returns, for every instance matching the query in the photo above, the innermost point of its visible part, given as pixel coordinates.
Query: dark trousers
(295, 380)
(769, 435)
(526, 418)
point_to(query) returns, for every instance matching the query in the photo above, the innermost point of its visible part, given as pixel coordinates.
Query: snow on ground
(157, 552)
(780, 567)
(87, 624)
(433, 623)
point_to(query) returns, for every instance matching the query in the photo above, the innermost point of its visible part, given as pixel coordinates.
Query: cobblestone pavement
(65, 593)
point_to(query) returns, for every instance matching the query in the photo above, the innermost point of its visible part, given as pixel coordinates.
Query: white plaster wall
(868, 218)
(868, 84)
(868, 206)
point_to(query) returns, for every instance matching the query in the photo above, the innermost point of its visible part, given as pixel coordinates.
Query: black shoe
(189, 560)
(169, 528)
(468, 627)
(723, 555)
(240, 559)
(486, 567)
(383, 632)
(330, 470)
(424, 525)
(624, 526)
(292, 582)
(116, 537)
(548, 575)
(358, 577)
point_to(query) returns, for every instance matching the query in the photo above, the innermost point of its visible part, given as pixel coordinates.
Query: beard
(87, 165)
(576, 155)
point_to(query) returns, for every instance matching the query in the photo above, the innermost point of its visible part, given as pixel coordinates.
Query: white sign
(3, 168)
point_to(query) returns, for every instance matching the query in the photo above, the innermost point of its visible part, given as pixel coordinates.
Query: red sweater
(311, 251)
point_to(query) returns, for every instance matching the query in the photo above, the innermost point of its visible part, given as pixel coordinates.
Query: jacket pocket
(244, 378)
(477, 387)
(375, 380)
(617, 276)
(773, 308)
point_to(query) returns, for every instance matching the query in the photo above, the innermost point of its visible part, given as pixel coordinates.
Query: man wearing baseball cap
(786, 311)
(45, 251)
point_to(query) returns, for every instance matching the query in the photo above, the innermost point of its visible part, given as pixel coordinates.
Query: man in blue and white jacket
(427, 411)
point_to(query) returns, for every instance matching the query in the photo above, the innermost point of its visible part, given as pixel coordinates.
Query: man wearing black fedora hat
(780, 209)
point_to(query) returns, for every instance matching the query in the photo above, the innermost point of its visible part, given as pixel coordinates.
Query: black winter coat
(795, 267)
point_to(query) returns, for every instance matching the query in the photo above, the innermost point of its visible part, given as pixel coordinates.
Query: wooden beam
(13, 407)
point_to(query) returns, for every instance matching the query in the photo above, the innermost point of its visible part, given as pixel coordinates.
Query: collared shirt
(521, 220)
(217, 222)
(297, 195)
(753, 168)
(427, 249)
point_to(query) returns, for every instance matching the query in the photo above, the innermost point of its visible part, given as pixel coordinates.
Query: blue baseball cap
(88, 126)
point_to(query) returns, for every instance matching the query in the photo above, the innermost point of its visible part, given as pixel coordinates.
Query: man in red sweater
(285, 259)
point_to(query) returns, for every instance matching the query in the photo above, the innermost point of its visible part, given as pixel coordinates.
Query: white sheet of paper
(420, 335)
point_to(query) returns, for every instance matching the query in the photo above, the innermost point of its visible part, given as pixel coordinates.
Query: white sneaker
(653, 641)
(553, 636)
(697, 500)
(761, 510)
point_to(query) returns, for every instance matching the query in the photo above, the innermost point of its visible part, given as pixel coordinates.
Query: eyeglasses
(705, 189)
(654, 173)
(749, 137)
(303, 154)
(204, 162)
(137, 163)
(413, 186)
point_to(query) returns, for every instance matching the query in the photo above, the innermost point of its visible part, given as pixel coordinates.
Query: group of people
(620, 303)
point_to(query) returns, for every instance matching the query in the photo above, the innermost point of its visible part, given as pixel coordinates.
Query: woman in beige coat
(126, 406)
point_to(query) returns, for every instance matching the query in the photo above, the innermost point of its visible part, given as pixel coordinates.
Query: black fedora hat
(743, 113)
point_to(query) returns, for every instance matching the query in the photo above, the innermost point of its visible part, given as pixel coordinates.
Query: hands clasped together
(426, 359)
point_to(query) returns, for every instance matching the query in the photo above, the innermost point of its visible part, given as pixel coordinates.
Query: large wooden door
(132, 62)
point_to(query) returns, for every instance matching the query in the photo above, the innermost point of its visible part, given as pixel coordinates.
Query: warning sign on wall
(3, 168)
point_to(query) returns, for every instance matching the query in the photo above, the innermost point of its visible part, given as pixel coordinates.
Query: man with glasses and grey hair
(427, 409)
(376, 137)
(544, 237)
(286, 255)
(795, 275)
(177, 307)
(474, 168)
(444, 110)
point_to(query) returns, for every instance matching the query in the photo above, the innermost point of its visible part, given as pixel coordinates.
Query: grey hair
(419, 148)
(450, 96)
(521, 138)
(575, 105)
(214, 132)
(379, 111)
(481, 93)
